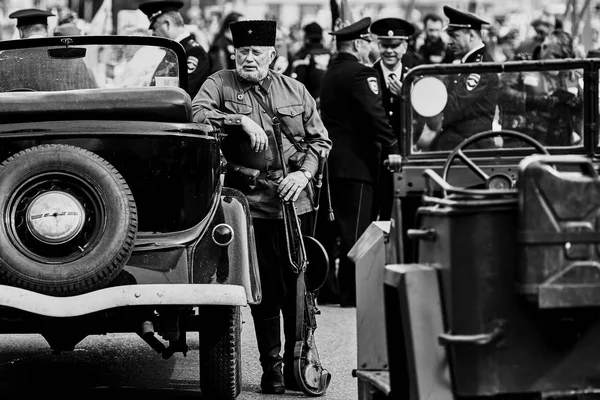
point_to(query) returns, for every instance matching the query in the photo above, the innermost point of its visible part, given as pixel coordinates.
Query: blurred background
(510, 19)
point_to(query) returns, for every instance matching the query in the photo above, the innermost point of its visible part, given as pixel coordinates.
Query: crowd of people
(340, 103)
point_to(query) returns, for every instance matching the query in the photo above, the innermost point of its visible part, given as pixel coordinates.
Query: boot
(268, 338)
(271, 381)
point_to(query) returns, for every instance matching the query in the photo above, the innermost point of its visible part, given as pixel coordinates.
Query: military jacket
(309, 66)
(472, 100)
(435, 52)
(221, 54)
(222, 102)
(352, 110)
(391, 102)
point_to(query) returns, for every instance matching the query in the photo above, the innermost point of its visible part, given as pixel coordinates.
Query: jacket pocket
(290, 111)
(237, 108)
(291, 116)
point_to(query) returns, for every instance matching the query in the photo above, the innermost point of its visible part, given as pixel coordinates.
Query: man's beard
(251, 76)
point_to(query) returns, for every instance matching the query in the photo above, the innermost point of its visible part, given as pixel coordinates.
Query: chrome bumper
(122, 296)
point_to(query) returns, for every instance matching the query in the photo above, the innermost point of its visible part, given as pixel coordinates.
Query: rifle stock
(309, 374)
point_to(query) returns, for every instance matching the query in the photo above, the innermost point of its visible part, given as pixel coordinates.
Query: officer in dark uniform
(392, 38)
(353, 113)
(166, 21)
(32, 22)
(311, 61)
(472, 97)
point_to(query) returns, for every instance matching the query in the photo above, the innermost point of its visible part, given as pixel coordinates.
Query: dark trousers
(278, 283)
(352, 203)
(384, 196)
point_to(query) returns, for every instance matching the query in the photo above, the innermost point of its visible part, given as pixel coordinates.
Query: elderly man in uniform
(32, 23)
(353, 112)
(166, 21)
(392, 40)
(240, 102)
(472, 97)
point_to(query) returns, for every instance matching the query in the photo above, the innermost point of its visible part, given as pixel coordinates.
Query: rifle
(310, 376)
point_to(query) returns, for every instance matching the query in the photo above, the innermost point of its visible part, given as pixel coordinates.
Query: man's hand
(258, 138)
(292, 186)
(394, 84)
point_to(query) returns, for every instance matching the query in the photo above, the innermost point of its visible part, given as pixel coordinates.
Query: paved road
(123, 366)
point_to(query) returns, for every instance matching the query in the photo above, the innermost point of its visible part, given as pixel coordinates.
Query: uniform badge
(373, 85)
(192, 64)
(472, 81)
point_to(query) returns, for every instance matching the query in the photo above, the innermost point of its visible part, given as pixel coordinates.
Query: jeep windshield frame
(412, 163)
(155, 47)
(588, 67)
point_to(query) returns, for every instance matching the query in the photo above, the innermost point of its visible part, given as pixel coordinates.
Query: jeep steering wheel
(459, 153)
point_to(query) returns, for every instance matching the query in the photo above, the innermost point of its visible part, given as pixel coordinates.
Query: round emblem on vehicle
(55, 217)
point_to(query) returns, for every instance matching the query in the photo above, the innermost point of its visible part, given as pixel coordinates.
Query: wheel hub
(55, 217)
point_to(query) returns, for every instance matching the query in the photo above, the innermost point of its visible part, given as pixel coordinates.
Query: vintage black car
(485, 283)
(114, 215)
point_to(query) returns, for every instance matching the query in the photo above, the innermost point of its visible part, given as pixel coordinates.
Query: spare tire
(69, 220)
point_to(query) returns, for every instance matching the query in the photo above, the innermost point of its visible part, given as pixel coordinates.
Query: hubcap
(55, 217)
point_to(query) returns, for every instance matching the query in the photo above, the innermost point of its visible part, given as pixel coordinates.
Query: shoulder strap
(284, 127)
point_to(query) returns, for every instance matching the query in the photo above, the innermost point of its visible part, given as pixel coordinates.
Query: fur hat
(253, 33)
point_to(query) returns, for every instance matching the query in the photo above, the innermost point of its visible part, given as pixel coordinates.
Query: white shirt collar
(473, 50)
(387, 72)
(182, 36)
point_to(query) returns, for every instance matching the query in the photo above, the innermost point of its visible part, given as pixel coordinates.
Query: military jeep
(114, 215)
(486, 281)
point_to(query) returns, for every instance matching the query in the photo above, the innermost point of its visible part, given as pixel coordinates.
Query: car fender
(242, 250)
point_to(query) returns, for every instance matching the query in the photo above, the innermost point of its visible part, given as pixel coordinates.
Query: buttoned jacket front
(222, 102)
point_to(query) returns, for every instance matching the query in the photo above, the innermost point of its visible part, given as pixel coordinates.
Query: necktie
(390, 77)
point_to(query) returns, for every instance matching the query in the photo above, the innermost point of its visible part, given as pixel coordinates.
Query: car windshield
(546, 104)
(89, 66)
